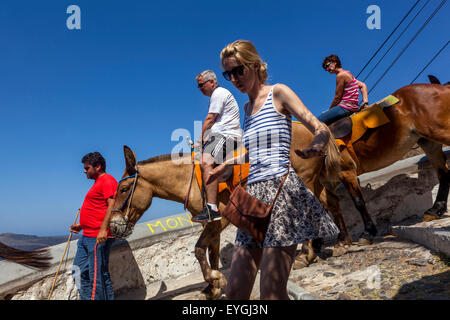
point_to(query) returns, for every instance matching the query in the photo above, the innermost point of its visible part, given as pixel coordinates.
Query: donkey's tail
(38, 259)
(332, 160)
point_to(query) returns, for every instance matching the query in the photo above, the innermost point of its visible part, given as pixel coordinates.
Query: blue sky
(128, 77)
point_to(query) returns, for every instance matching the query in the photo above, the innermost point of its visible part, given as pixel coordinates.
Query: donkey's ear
(433, 79)
(130, 161)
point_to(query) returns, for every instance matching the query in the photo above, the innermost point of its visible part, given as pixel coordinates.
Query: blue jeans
(334, 114)
(84, 265)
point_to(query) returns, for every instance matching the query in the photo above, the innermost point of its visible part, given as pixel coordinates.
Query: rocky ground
(389, 269)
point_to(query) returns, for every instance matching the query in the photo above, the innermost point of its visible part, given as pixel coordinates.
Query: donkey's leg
(210, 238)
(438, 160)
(331, 202)
(350, 181)
(218, 280)
(306, 256)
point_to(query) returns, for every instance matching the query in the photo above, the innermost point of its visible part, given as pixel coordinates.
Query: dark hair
(94, 159)
(332, 58)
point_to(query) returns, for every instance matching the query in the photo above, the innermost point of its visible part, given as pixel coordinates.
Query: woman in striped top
(297, 215)
(346, 98)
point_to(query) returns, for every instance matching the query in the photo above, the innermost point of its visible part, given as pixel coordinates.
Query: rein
(129, 197)
(186, 200)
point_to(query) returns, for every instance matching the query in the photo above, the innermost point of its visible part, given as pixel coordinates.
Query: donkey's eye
(124, 190)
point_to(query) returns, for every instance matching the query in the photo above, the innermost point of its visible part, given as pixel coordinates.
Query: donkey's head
(134, 196)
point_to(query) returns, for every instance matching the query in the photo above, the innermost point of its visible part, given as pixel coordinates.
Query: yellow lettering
(156, 225)
(188, 219)
(176, 223)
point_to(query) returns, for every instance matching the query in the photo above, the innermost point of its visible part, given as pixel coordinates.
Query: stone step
(434, 235)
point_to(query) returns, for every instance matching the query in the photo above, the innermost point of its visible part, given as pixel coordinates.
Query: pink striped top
(350, 98)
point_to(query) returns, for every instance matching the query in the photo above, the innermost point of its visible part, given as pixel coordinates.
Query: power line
(435, 56)
(373, 56)
(395, 41)
(409, 43)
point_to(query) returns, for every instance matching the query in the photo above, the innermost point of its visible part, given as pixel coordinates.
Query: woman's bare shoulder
(281, 89)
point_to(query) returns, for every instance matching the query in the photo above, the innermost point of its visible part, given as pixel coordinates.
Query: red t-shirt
(95, 204)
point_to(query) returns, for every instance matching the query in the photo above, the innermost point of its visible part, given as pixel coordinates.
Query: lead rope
(94, 286)
(186, 201)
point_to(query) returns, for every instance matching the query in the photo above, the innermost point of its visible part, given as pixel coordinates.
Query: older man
(220, 135)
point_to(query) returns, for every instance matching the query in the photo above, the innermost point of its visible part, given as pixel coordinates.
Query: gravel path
(389, 269)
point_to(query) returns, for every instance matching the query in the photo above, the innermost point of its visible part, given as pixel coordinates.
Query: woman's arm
(292, 104)
(362, 86)
(220, 169)
(340, 84)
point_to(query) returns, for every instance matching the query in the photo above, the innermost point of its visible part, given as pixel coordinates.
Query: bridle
(129, 197)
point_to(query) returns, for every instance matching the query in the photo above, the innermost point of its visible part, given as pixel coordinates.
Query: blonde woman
(297, 215)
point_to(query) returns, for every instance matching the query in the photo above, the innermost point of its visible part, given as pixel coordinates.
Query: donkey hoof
(436, 211)
(365, 239)
(339, 251)
(211, 293)
(219, 280)
(301, 262)
(430, 217)
(346, 243)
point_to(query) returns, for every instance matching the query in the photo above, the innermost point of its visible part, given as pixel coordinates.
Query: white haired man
(221, 133)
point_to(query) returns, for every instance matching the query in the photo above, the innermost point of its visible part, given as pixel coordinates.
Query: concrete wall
(163, 249)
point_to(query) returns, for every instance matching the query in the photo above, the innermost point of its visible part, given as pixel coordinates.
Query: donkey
(168, 179)
(421, 116)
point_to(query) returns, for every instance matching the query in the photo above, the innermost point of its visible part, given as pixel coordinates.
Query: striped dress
(350, 98)
(267, 137)
(297, 215)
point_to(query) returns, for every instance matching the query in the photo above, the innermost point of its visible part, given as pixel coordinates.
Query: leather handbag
(249, 214)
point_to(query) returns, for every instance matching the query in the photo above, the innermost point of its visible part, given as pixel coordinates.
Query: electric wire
(426, 66)
(395, 41)
(408, 44)
(378, 50)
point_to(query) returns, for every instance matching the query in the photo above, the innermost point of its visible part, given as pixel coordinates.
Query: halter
(129, 197)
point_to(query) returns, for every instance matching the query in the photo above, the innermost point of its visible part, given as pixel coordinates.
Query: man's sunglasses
(200, 85)
(236, 71)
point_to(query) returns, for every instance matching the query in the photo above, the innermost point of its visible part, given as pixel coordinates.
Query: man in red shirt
(95, 215)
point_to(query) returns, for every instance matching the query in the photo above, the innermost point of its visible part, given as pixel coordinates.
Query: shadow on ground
(435, 287)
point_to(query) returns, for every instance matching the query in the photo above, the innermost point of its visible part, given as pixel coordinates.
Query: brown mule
(167, 178)
(421, 116)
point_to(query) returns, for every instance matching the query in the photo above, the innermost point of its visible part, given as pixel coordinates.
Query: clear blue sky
(127, 77)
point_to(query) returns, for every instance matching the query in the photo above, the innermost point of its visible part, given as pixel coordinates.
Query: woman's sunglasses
(236, 71)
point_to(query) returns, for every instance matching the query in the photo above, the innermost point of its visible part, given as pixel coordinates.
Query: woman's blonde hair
(245, 52)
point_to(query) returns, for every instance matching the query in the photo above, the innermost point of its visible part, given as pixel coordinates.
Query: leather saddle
(341, 128)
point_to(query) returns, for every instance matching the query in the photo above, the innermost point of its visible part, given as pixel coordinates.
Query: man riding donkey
(220, 135)
(346, 98)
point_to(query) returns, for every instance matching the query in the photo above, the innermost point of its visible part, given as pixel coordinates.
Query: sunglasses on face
(200, 85)
(236, 71)
(327, 65)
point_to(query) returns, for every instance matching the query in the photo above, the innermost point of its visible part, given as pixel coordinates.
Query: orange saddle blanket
(240, 172)
(370, 118)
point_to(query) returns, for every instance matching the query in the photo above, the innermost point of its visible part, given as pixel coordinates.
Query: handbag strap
(281, 185)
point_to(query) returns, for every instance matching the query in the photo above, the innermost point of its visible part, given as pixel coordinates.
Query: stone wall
(393, 195)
